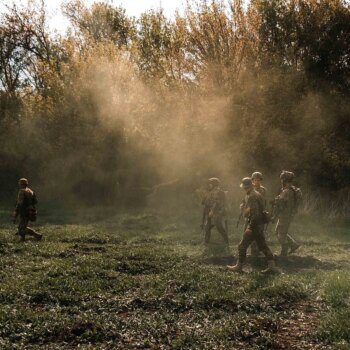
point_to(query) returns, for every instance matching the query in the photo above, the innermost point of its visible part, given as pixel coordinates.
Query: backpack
(298, 198)
(31, 211)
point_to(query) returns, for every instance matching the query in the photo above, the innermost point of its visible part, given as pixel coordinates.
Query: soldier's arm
(281, 202)
(204, 216)
(242, 205)
(265, 198)
(35, 199)
(284, 195)
(19, 203)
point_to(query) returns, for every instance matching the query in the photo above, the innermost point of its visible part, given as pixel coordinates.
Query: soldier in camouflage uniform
(257, 179)
(254, 232)
(26, 201)
(214, 211)
(285, 207)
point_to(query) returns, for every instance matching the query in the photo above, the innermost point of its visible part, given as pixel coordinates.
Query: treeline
(120, 104)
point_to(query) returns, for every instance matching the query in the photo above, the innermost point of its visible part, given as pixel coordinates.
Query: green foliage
(288, 288)
(300, 33)
(336, 326)
(119, 103)
(337, 289)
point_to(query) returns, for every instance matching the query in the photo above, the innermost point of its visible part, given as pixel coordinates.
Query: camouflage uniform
(254, 246)
(262, 191)
(255, 229)
(26, 199)
(285, 211)
(215, 213)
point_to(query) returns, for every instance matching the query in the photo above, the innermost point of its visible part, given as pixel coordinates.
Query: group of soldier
(254, 209)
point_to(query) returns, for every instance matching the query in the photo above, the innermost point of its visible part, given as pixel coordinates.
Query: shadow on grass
(289, 264)
(295, 262)
(220, 260)
(217, 254)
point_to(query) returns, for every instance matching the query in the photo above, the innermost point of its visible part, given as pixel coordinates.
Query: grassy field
(138, 282)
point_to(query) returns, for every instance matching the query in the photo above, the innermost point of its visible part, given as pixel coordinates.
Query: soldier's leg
(282, 237)
(254, 249)
(285, 225)
(221, 229)
(261, 243)
(290, 242)
(208, 227)
(22, 228)
(243, 246)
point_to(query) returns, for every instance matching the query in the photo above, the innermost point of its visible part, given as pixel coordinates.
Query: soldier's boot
(37, 236)
(235, 268)
(271, 267)
(294, 247)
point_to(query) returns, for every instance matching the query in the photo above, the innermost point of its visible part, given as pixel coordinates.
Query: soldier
(25, 209)
(257, 179)
(254, 212)
(214, 211)
(285, 208)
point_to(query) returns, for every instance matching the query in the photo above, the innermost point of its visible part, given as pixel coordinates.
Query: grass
(135, 281)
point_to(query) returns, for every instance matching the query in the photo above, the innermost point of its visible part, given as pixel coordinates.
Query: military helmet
(23, 181)
(287, 175)
(257, 175)
(246, 183)
(214, 181)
